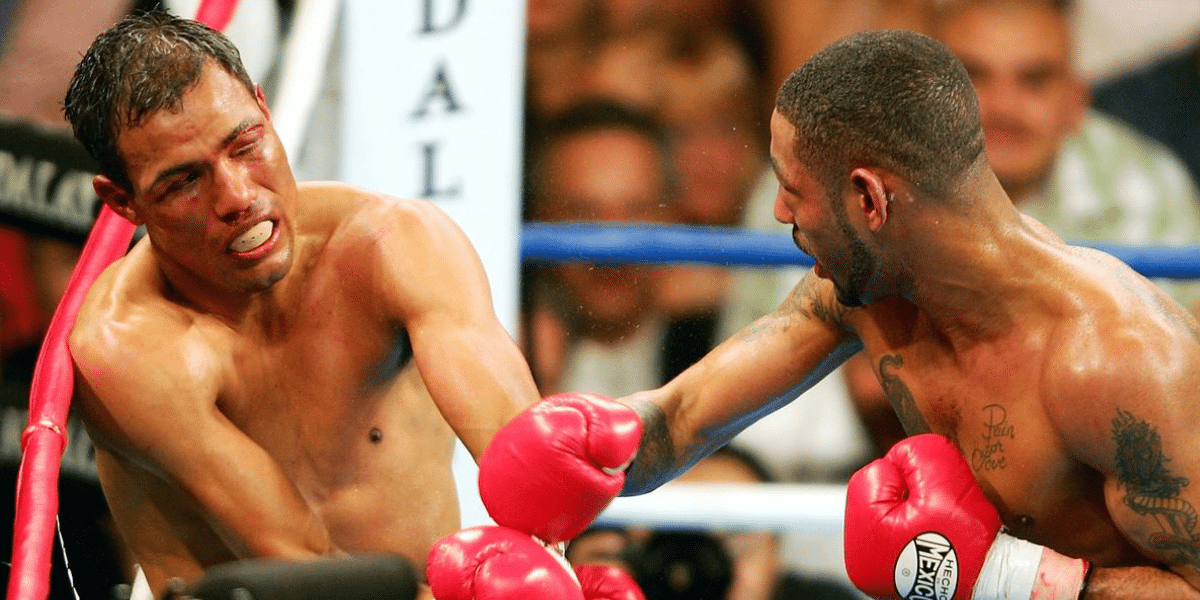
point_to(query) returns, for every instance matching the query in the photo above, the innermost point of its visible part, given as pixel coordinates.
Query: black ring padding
(366, 577)
(45, 180)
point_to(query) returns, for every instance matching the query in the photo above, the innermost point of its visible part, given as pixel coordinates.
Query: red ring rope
(44, 439)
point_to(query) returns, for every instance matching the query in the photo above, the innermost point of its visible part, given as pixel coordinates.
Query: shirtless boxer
(1065, 380)
(275, 370)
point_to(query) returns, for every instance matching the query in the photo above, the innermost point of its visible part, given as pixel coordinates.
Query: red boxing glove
(606, 582)
(919, 526)
(495, 563)
(554, 467)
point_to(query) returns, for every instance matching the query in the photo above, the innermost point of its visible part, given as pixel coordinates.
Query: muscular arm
(470, 364)
(1134, 419)
(758, 370)
(149, 396)
(1151, 498)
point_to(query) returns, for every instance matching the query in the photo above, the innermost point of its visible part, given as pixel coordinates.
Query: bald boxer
(1062, 381)
(276, 370)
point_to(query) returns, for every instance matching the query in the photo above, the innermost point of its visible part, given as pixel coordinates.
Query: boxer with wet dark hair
(276, 370)
(1055, 385)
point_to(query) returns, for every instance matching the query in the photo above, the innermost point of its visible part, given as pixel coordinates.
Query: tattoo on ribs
(990, 456)
(900, 396)
(1152, 490)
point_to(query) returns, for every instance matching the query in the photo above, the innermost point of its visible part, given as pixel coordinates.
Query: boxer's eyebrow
(229, 138)
(779, 175)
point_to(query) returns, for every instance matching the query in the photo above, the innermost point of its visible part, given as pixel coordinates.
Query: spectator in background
(719, 144)
(597, 327)
(795, 29)
(1162, 100)
(560, 39)
(702, 564)
(1082, 174)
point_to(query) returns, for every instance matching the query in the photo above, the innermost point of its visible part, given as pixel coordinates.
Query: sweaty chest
(993, 410)
(324, 374)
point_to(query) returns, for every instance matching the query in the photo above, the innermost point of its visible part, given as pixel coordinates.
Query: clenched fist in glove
(488, 562)
(554, 467)
(495, 563)
(605, 582)
(919, 526)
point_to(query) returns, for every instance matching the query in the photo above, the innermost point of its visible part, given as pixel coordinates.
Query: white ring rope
(813, 508)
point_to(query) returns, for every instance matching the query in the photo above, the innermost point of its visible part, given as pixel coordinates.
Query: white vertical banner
(432, 108)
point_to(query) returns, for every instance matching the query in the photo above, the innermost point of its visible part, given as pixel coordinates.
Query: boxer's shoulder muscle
(1128, 350)
(137, 353)
(370, 230)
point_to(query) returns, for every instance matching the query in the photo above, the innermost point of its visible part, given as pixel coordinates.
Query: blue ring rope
(643, 244)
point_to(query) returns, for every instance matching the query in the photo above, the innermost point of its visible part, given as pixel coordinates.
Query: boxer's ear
(261, 99)
(873, 196)
(116, 197)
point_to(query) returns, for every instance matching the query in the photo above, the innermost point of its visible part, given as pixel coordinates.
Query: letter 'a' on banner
(432, 107)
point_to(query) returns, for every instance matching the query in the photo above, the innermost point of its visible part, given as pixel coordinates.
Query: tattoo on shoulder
(900, 397)
(1152, 490)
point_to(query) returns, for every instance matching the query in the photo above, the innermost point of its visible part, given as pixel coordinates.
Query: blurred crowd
(655, 111)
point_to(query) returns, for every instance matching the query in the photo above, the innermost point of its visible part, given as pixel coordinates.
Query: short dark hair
(144, 63)
(892, 99)
(591, 116)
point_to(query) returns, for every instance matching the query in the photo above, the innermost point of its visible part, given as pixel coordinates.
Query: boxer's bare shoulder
(132, 345)
(1121, 341)
(352, 218)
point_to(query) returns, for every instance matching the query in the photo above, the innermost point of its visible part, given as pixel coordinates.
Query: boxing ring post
(44, 438)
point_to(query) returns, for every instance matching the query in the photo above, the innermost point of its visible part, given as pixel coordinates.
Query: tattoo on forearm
(900, 396)
(990, 456)
(656, 453)
(1152, 490)
(762, 328)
